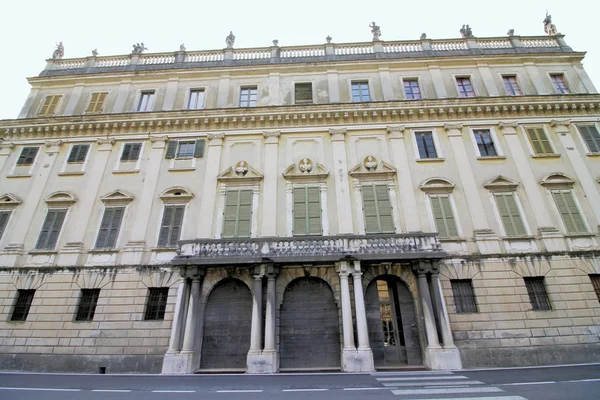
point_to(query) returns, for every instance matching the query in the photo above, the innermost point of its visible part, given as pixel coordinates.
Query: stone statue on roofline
(466, 32)
(59, 52)
(182, 47)
(139, 48)
(549, 27)
(95, 53)
(376, 31)
(230, 40)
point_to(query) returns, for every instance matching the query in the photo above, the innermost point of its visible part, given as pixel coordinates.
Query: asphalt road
(567, 382)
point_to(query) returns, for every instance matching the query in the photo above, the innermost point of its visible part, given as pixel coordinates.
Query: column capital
(338, 134)
(342, 267)
(421, 268)
(159, 142)
(561, 126)
(215, 136)
(510, 124)
(449, 127)
(53, 146)
(271, 137)
(195, 272)
(6, 147)
(271, 271)
(396, 131)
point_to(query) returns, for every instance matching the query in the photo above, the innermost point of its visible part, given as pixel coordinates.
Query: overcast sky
(30, 28)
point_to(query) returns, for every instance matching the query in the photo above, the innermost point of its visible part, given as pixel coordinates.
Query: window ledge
(131, 171)
(103, 250)
(523, 237)
(430, 160)
(547, 155)
(483, 158)
(77, 173)
(14, 176)
(42, 251)
(579, 235)
(182, 169)
(453, 239)
(593, 154)
(164, 249)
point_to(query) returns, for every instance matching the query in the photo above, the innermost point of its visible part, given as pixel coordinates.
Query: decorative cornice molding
(458, 126)
(110, 141)
(53, 143)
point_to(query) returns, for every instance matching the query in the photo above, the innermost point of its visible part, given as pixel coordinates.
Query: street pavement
(580, 382)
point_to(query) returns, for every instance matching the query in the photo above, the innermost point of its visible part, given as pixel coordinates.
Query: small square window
(186, 149)
(595, 278)
(464, 296)
(591, 137)
(558, 81)
(156, 304)
(78, 153)
(146, 101)
(87, 304)
(131, 152)
(248, 96)
(360, 92)
(465, 88)
(303, 93)
(96, 103)
(511, 86)
(50, 105)
(536, 289)
(28, 155)
(196, 101)
(411, 89)
(485, 144)
(23, 304)
(425, 145)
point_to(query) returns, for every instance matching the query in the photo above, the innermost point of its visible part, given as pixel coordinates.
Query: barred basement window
(464, 296)
(536, 289)
(87, 304)
(595, 278)
(27, 156)
(303, 93)
(78, 153)
(24, 300)
(157, 303)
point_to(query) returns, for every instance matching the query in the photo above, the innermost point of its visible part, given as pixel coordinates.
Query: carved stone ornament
(305, 166)
(95, 53)
(230, 40)
(503, 125)
(370, 163)
(341, 131)
(328, 39)
(241, 168)
(212, 136)
(448, 127)
(376, 31)
(549, 27)
(59, 52)
(268, 134)
(138, 48)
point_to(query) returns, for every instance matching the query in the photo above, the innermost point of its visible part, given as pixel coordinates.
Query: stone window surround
(117, 198)
(495, 141)
(58, 106)
(117, 169)
(83, 164)
(419, 83)
(11, 172)
(436, 143)
(523, 127)
(441, 187)
(169, 198)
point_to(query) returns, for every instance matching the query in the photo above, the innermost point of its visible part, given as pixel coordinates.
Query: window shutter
(569, 212)
(46, 226)
(199, 148)
(135, 151)
(314, 211)
(126, 151)
(176, 225)
(55, 229)
(300, 212)
(46, 105)
(574, 212)
(165, 227)
(93, 101)
(171, 149)
(539, 141)
(27, 156)
(386, 219)
(370, 209)
(509, 213)
(78, 153)
(115, 225)
(230, 214)
(244, 214)
(592, 138)
(104, 228)
(72, 155)
(443, 216)
(4, 215)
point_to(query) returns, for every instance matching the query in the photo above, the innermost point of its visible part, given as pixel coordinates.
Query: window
(465, 88)
(238, 213)
(78, 153)
(131, 152)
(569, 213)
(485, 144)
(87, 304)
(464, 296)
(109, 227)
(360, 91)
(425, 145)
(595, 278)
(96, 102)
(558, 81)
(23, 304)
(307, 211)
(27, 156)
(509, 214)
(185, 149)
(377, 209)
(170, 227)
(411, 89)
(51, 229)
(146, 101)
(248, 96)
(157, 303)
(49, 106)
(511, 86)
(303, 93)
(537, 293)
(196, 101)
(443, 216)
(539, 141)
(4, 216)
(591, 136)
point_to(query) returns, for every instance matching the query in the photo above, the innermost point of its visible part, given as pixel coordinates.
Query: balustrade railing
(157, 59)
(113, 62)
(303, 52)
(69, 64)
(402, 47)
(343, 50)
(549, 42)
(494, 44)
(251, 54)
(204, 57)
(449, 45)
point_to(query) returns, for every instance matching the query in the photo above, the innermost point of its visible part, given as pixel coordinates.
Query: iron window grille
(536, 289)
(87, 304)
(157, 303)
(23, 304)
(464, 296)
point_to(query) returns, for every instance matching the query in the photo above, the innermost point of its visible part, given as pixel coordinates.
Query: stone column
(364, 348)
(191, 324)
(347, 327)
(441, 310)
(270, 356)
(269, 202)
(427, 307)
(207, 206)
(171, 359)
(256, 333)
(342, 187)
(358, 205)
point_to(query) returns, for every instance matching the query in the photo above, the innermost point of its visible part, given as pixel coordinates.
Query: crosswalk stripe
(447, 390)
(461, 383)
(422, 378)
(483, 398)
(408, 373)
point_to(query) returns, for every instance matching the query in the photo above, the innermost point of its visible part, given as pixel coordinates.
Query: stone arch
(459, 269)
(402, 271)
(325, 272)
(215, 275)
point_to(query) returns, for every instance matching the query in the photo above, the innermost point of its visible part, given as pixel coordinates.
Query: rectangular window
(591, 136)
(377, 209)
(157, 304)
(238, 213)
(49, 106)
(23, 304)
(465, 88)
(131, 152)
(146, 101)
(558, 81)
(109, 227)
(595, 278)
(51, 229)
(4, 216)
(307, 211)
(28, 155)
(87, 304)
(569, 213)
(196, 101)
(360, 91)
(536, 289)
(443, 216)
(425, 144)
(411, 89)
(96, 103)
(185, 149)
(78, 153)
(485, 144)
(464, 296)
(509, 214)
(539, 141)
(248, 96)
(511, 86)
(303, 93)
(170, 227)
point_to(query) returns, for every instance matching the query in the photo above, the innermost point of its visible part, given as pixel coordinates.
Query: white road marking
(525, 383)
(415, 373)
(240, 391)
(424, 378)
(461, 383)
(305, 390)
(448, 390)
(583, 380)
(483, 398)
(173, 391)
(368, 388)
(112, 390)
(41, 389)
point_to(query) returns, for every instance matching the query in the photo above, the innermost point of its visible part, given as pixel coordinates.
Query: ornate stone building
(337, 206)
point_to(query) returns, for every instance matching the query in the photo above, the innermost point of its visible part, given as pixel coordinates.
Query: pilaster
(190, 354)
(74, 98)
(223, 91)
(5, 150)
(387, 87)
(488, 80)
(269, 203)
(171, 361)
(333, 86)
(536, 78)
(438, 81)
(170, 94)
(207, 206)
(122, 94)
(342, 186)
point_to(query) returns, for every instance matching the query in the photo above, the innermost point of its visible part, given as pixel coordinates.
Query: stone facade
(345, 206)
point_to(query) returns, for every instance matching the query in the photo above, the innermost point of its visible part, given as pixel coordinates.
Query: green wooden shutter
(509, 214)
(245, 214)
(443, 216)
(109, 228)
(591, 136)
(199, 148)
(230, 213)
(165, 227)
(27, 156)
(386, 218)
(238, 213)
(4, 215)
(377, 209)
(171, 149)
(300, 212)
(370, 209)
(135, 151)
(176, 225)
(307, 211)
(568, 212)
(539, 141)
(51, 229)
(78, 153)
(126, 152)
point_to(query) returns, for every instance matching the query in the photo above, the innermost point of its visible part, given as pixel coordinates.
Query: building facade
(340, 206)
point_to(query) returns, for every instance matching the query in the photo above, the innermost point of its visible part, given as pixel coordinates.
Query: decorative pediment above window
(242, 172)
(65, 199)
(176, 195)
(437, 185)
(372, 168)
(9, 200)
(557, 180)
(501, 184)
(118, 197)
(305, 171)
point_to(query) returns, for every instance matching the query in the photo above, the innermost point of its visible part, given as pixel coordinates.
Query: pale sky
(30, 28)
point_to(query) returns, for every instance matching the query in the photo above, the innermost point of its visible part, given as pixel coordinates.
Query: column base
(360, 360)
(262, 362)
(443, 358)
(179, 363)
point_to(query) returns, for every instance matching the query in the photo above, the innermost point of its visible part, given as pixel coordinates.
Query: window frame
(411, 79)
(536, 304)
(471, 82)
(189, 97)
(167, 245)
(155, 309)
(436, 144)
(312, 92)
(498, 215)
(557, 212)
(462, 305)
(241, 90)
(26, 307)
(46, 248)
(87, 314)
(495, 142)
(453, 208)
(565, 81)
(583, 140)
(517, 83)
(56, 108)
(530, 145)
(140, 100)
(366, 82)
(103, 104)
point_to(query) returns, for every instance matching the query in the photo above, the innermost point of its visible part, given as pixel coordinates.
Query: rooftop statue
(328, 39)
(95, 53)
(423, 36)
(230, 40)
(59, 52)
(182, 47)
(466, 31)
(376, 31)
(549, 27)
(511, 32)
(138, 48)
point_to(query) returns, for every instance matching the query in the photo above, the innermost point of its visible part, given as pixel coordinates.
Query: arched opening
(392, 323)
(309, 328)
(227, 326)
